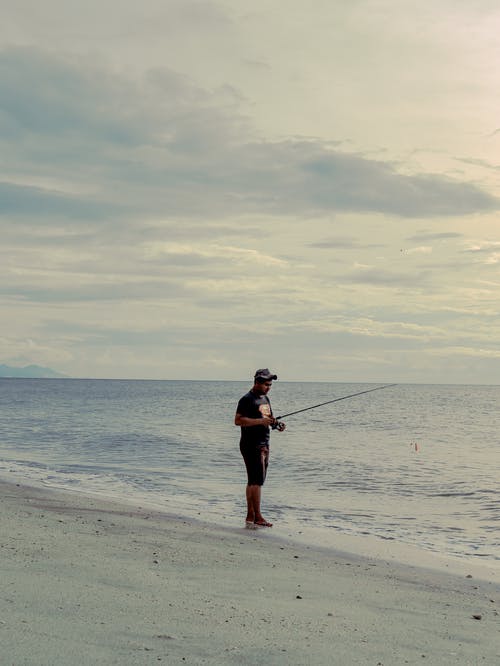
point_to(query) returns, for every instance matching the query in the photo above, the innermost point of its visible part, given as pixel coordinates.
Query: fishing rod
(328, 402)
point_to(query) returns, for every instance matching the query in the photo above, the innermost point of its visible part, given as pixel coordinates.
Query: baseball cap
(265, 375)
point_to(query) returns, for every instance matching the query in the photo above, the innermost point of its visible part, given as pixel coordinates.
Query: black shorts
(256, 457)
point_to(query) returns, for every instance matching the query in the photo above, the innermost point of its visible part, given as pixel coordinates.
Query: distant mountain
(31, 371)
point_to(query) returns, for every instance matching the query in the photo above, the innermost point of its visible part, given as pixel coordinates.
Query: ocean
(409, 465)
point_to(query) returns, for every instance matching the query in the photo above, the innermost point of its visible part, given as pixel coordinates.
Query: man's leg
(253, 502)
(257, 469)
(264, 462)
(255, 495)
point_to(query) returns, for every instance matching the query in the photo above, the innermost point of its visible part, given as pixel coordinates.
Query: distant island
(29, 371)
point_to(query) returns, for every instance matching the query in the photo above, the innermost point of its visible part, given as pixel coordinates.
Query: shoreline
(329, 541)
(88, 580)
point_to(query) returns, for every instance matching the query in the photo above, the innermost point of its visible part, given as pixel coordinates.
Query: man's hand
(247, 422)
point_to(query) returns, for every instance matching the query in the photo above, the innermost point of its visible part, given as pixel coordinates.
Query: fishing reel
(278, 425)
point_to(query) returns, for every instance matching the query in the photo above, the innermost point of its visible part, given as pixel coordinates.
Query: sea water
(414, 465)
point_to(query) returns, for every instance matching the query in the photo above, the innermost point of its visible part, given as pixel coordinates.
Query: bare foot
(262, 522)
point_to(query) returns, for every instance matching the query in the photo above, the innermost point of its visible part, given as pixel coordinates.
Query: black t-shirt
(254, 407)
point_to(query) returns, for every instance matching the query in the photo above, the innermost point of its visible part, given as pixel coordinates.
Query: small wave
(455, 494)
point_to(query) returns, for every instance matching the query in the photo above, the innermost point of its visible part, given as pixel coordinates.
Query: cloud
(211, 252)
(372, 328)
(379, 277)
(181, 179)
(490, 250)
(459, 351)
(479, 162)
(74, 291)
(55, 97)
(424, 237)
(25, 201)
(343, 243)
(422, 249)
(162, 146)
(484, 247)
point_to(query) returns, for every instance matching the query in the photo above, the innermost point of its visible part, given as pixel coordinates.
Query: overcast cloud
(196, 189)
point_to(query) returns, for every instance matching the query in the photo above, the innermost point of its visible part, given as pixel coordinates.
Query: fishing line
(328, 402)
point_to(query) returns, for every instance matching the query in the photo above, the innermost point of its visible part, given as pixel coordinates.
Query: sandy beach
(86, 581)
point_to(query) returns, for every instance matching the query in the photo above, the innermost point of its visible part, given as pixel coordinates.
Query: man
(254, 415)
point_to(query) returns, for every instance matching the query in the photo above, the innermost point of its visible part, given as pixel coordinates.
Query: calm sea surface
(411, 464)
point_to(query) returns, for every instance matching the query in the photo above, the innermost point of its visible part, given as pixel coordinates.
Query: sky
(194, 189)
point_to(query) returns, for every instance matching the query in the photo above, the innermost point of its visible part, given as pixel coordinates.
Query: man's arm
(248, 422)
